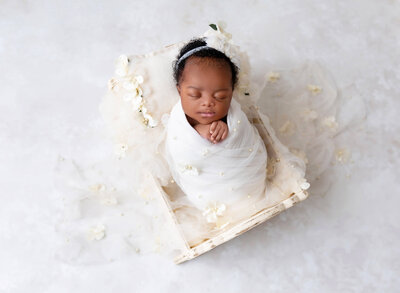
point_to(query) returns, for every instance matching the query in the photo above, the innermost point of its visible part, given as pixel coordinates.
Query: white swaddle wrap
(225, 172)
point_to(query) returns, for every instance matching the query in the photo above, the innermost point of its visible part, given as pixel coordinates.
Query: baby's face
(205, 89)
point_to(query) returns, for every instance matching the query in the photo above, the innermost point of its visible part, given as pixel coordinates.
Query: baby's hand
(218, 131)
(214, 132)
(203, 130)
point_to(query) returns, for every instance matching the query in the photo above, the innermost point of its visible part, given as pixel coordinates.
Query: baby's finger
(225, 134)
(214, 135)
(216, 131)
(218, 138)
(213, 126)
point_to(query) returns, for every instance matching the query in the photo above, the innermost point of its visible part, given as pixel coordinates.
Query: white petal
(305, 185)
(123, 60)
(139, 79)
(152, 122)
(136, 102)
(97, 232)
(315, 89)
(273, 76)
(221, 209)
(144, 110)
(189, 169)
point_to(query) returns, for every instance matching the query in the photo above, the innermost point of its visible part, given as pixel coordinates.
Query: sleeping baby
(216, 156)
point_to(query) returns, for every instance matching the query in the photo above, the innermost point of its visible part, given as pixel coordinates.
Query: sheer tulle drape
(107, 215)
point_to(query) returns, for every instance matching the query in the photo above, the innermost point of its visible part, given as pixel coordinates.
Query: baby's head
(205, 81)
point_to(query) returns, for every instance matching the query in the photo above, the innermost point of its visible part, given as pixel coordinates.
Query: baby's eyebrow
(199, 88)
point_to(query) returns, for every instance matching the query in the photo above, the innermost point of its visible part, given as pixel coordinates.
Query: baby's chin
(207, 120)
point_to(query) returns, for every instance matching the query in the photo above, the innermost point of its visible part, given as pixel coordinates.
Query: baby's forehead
(209, 71)
(205, 62)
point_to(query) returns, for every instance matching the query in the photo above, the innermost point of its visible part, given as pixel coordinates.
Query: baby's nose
(208, 101)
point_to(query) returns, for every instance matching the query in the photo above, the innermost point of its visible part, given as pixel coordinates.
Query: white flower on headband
(220, 27)
(219, 39)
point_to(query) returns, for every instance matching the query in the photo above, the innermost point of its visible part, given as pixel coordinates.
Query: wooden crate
(288, 196)
(160, 95)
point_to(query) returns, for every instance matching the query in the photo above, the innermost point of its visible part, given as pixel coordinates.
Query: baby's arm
(215, 132)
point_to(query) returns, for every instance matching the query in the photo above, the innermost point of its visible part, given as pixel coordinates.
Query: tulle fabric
(221, 173)
(107, 210)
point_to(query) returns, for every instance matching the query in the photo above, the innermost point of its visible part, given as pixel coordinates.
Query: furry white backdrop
(55, 60)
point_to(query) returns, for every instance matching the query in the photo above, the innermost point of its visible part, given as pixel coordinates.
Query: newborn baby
(215, 155)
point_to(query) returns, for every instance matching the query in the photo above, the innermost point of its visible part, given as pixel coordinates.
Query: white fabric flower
(139, 79)
(123, 60)
(221, 40)
(205, 152)
(218, 38)
(131, 83)
(97, 232)
(138, 92)
(221, 26)
(213, 211)
(217, 42)
(134, 94)
(149, 120)
(188, 169)
(314, 89)
(137, 103)
(273, 76)
(304, 184)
